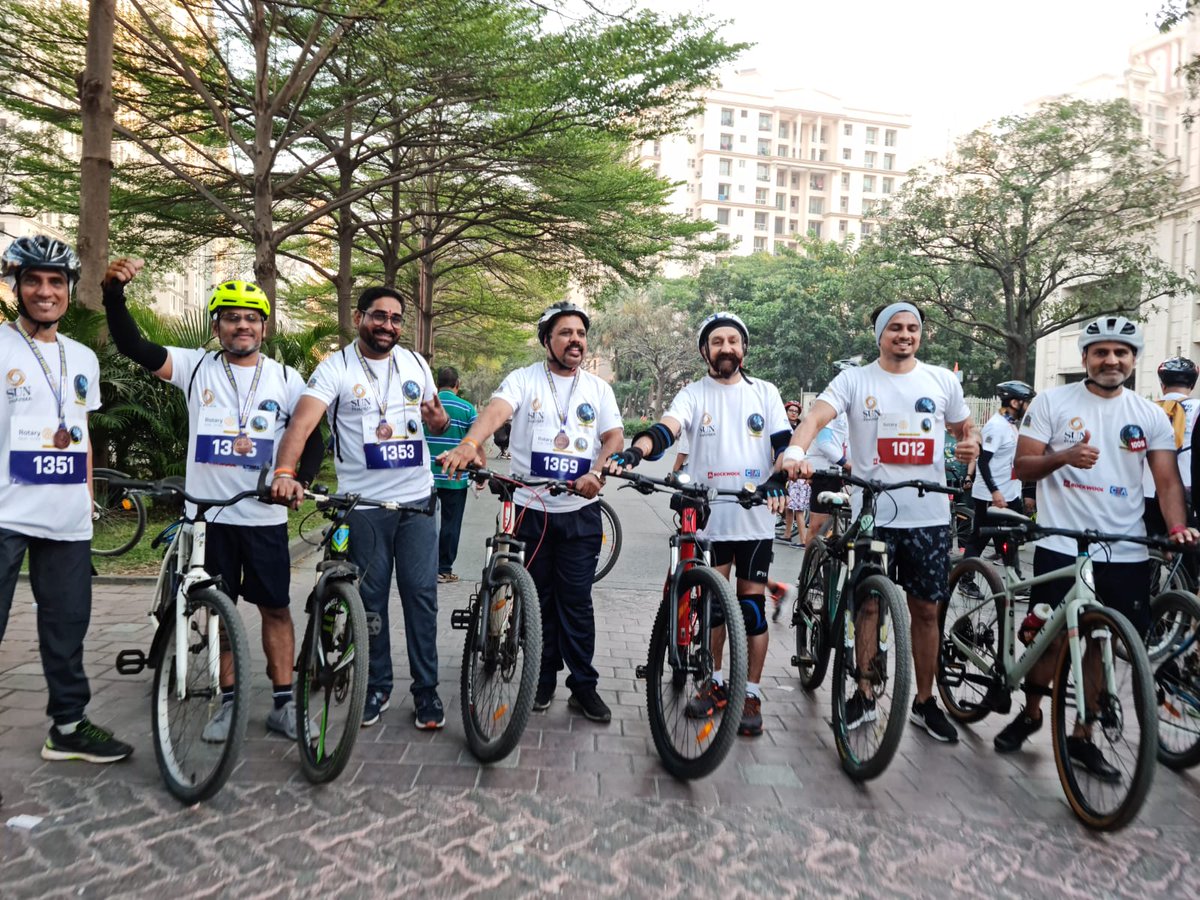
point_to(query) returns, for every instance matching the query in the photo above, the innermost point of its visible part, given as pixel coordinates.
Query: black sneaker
(588, 702)
(709, 698)
(933, 720)
(377, 702)
(1014, 734)
(751, 724)
(1088, 755)
(429, 714)
(860, 710)
(543, 697)
(87, 742)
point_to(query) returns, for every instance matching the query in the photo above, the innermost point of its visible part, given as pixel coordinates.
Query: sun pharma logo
(15, 377)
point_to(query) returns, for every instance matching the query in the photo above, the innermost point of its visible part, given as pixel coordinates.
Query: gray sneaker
(217, 729)
(283, 720)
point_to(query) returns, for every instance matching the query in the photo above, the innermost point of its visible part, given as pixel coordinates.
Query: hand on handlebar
(1187, 537)
(458, 458)
(775, 490)
(626, 459)
(797, 469)
(287, 492)
(587, 485)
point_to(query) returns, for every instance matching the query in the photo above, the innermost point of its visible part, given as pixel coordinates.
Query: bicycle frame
(687, 550)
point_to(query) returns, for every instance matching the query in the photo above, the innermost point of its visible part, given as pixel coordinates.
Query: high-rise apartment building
(771, 165)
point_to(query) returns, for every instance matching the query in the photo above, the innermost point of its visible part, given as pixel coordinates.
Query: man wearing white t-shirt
(238, 402)
(376, 396)
(889, 443)
(565, 423)
(1177, 378)
(1088, 445)
(734, 426)
(51, 384)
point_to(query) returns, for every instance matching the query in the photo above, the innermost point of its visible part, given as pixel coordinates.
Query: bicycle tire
(866, 749)
(1136, 765)
(118, 515)
(338, 685)
(1173, 645)
(610, 540)
(501, 661)
(192, 768)
(975, 618)
(810, 614)
(694, 747)
(1165, 576)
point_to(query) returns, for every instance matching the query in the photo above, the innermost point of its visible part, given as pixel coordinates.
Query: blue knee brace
(754, 613)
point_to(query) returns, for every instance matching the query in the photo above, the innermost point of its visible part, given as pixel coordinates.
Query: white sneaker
(283, 720)
(217, 729)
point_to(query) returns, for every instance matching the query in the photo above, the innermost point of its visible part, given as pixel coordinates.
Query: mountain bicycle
(978, 667)
(502, 654)
(1173, 645)
(681, 663)
(195, 622)
(848, 605)
(118, 513)
(610, 540)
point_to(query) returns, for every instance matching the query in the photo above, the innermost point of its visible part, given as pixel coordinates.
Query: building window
(760, 245)
(872, 135)
(726, 117)
(889, 161)
(781, 150)
(762, 172)
(722, 217)
(814, 230)
(722, 191)
(842, 226)
(783, 130)
(760, 221)
(741, 189)
(725, 167)
(741, 139)
(816, 182)
(794, 205)
(869, 206)
(726, 142)
(780, 201)
(764, 121)
(691, 163)
(741, 164)
(816, 205)
(889, 138)
(846, 180)
(761, 196)
(869, 183)
(846, 153)
(869, 159)
(848, 130)
(822, 156)
(781, 178)
(793, 226)
(843, 204)
(764, 147)
(867, 228)
(779, 225)
(740, 213)
(885, 185)
(745, 113)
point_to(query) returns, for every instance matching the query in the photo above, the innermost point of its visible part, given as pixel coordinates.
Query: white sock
(69, 729)
(718, 678)
(752, 690)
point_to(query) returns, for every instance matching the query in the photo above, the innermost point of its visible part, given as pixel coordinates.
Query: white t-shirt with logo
(832, 443)
(1191, 407)
(897, 428)
(43, 488)
(223, 457)
(999, 438)
(391, 463)
(542, 445)
(729, 428)
(1107, 497)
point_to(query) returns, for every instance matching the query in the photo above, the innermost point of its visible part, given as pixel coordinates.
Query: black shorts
(919, 560)
(253, 560)
(751, 559)
(1125, 586)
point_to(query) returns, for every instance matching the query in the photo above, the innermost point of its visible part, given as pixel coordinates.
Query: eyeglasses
(379, 317)
(250, 318)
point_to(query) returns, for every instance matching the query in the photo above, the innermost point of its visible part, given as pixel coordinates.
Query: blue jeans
(452, 502)
(383, 541)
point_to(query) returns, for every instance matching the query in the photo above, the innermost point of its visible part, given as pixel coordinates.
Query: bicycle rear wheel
(1173, 644)
(873, 656)
(810, 614)
(118, 516)
(970, 623)
(331, 682)
(195, 769)
(501, 661)
(694, 747)
(1122, 722)
(610, 541)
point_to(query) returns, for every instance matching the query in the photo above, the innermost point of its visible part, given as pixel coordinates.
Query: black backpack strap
(195, 372)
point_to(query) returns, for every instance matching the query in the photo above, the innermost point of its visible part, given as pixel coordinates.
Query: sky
(951, 64)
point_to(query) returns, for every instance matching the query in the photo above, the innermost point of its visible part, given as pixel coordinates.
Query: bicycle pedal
(460, 619)
(131, 662)
(802, 659)
(640, 672)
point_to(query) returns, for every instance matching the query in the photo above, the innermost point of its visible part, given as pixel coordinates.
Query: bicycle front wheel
(1105, 731)
(810, 615)
(118, 516)
(1173, 644)
(193, 768)
(970, 625)
(501, 661)
(331, 682)
(610, 540)
(872, 677)
(693, 744)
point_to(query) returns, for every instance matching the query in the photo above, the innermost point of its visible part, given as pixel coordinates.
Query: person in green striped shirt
(451, 492)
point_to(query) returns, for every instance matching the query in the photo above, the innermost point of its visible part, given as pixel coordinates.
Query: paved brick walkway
(579, 809)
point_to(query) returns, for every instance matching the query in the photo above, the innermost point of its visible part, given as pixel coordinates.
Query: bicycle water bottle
(1033, 622)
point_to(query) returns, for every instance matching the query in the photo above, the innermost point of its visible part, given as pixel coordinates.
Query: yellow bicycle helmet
(239, 294)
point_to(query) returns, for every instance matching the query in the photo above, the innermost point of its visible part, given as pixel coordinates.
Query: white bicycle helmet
(717, 320)
(1111, 328)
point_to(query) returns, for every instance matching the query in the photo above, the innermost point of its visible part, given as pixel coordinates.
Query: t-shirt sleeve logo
(925, 405)
(1133, 438)
(756, 423)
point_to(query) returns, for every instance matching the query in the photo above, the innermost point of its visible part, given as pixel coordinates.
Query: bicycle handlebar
(481, 475)
(1023, 526)
(879, 487)
(327, 501)
(163, 486)
(681, 483)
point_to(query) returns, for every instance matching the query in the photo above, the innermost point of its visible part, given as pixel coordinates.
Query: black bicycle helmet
(38, 252)
(1178, 370)
(561, 308)
(1014, 390)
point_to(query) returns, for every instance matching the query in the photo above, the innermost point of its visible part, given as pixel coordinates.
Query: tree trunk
(425, 300)
(344, 280)
(96, 108)
(262, 230)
